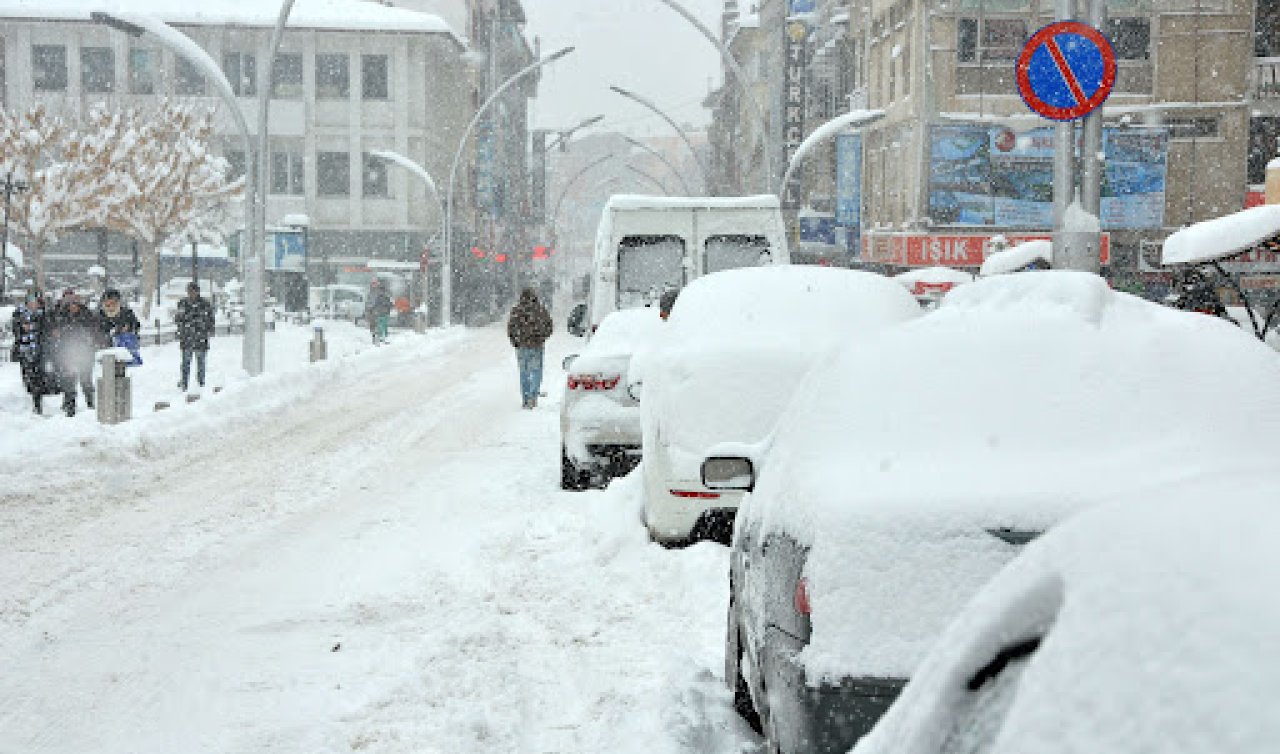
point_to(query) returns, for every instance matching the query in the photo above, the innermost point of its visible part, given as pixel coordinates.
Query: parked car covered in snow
(738, 344)
(930, 284)
(911, 468)
(1126, 629)
(599, 417)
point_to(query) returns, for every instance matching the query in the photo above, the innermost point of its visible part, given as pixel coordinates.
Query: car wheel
(570, 477)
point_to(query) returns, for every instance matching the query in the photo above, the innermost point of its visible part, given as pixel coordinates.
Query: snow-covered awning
(336, 15)
(1018, 257)
(1222, 237)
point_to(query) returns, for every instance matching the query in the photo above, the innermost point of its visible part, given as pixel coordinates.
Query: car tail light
(694, 495)
(594, 381)
(802, 597)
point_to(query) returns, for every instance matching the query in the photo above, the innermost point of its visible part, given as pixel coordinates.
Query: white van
(646, 245)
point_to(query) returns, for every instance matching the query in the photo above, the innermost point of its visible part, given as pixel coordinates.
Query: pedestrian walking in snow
(120, 326)
(72, 336)
(528, 328)
(195, 326)
(379, 311)
(28, 319)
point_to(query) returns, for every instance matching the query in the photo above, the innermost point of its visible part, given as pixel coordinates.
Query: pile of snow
(934, 276)
(14, 255)
(1155, 635)
(1020, 400)
(740, 342)
(1017, 258)
(1222, 236)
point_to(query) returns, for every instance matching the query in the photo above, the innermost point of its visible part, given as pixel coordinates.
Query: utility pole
(10, 187)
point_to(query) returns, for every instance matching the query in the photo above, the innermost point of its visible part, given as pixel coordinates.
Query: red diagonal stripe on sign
(1065, 69)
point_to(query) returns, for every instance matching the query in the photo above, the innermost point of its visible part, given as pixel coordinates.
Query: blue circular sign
(1066, 70)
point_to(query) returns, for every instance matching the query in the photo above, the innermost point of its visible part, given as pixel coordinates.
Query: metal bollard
(115, 391)
(419, 322)
(319, 349)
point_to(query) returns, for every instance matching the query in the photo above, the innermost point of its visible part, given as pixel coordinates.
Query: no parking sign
(1066, 70)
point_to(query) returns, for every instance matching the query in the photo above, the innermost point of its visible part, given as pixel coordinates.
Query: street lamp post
(10, 187)
(671, 122)
(771, 153)
(135, 24)
(568, 133)
(420, 172)
(446, 283)
(641, 145)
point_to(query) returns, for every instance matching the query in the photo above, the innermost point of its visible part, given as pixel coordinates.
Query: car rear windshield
(732, 252)
(647, 266)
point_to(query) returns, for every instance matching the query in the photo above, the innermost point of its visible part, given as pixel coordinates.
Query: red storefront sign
(946, 250)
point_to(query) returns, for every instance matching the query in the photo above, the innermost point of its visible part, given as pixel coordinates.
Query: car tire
(570, 477)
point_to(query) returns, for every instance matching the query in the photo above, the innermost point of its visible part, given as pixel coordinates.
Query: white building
(352, 76)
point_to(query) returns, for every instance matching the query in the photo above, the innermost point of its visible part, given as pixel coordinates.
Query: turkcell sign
(796, 61)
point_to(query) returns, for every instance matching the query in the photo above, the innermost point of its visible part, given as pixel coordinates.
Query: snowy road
(386, 567)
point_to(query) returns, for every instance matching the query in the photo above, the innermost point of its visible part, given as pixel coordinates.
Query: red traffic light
(541, 252)
(477, 252)
(501, 258)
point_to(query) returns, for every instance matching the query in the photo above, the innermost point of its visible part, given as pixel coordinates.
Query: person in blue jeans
(528, 328)
(195, 326)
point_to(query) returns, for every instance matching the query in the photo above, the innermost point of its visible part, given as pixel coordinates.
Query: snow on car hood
(620, 335)
(739, 343)
(1022, 399)
(1161, 633)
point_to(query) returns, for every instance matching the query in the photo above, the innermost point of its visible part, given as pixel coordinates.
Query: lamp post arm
(671, 122)
(650, 179)
(857, 118)
(732, 64)
(641, 145)
(576, 177)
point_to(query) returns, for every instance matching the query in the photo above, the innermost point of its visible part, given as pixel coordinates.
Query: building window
(1130, 37)
(373, 76)
(333, 76)
(235, 163)
(242, 71)
(286, 77)
(49, 68)
(1199, 127)
(286, 173)
(375, 177)
(333, 174)
(188, 80)
(97, 70)
(992, 39)
(143, 71)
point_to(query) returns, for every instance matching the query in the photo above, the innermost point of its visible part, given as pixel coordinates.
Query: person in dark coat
(71, 335)
(116, 318)
(28, 320)
(195, 326)
(379, 311)
(528, 328)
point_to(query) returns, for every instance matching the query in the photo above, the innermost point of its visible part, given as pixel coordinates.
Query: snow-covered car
(599, 418)
(909, 469)
(930, 284)
(1138, 626)
(738, 344)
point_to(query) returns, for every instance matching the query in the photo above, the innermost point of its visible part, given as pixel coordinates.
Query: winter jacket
(70, 339)
(26, 326)
(379, 303)
(529, 325)
(124, 321)
(195, 323)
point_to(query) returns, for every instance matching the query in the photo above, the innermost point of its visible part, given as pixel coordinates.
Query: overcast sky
(641, 45)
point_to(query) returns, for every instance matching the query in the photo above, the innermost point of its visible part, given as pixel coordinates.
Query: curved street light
(688, 142)
(771, 150)
(657, 183)
(641, 145)
(568, 133)
(446, 284)
(420, 172)
(855, 119)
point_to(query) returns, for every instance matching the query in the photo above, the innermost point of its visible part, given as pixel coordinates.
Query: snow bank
(346, 15)
(1155, 638)
(1021, 399)
(1017, 257)
(740, 342)
(1222, 236)
(934, 276)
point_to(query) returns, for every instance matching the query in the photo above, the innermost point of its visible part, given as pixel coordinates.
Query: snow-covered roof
(1129, 598)
(1020, 400)
(1221, 237)
(1017, 257)
(640, 201)
(354, 15)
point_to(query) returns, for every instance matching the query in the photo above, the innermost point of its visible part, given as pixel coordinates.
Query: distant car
(738, 344)
(1143, 626)
(599, 417)
(911, 468)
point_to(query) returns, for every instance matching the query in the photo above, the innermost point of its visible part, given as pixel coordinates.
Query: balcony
(1266, 79)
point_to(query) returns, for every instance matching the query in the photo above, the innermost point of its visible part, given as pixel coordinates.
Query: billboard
(286, 250)
(991, 176)
(948, 249)
(849, 179)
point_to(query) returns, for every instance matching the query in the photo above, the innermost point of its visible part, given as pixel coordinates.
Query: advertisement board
(994, 177)
(286, 250)
(849, 180)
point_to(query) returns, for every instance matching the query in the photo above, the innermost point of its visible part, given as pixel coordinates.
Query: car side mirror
(578, 320)
(729, 473)
(567, 364)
